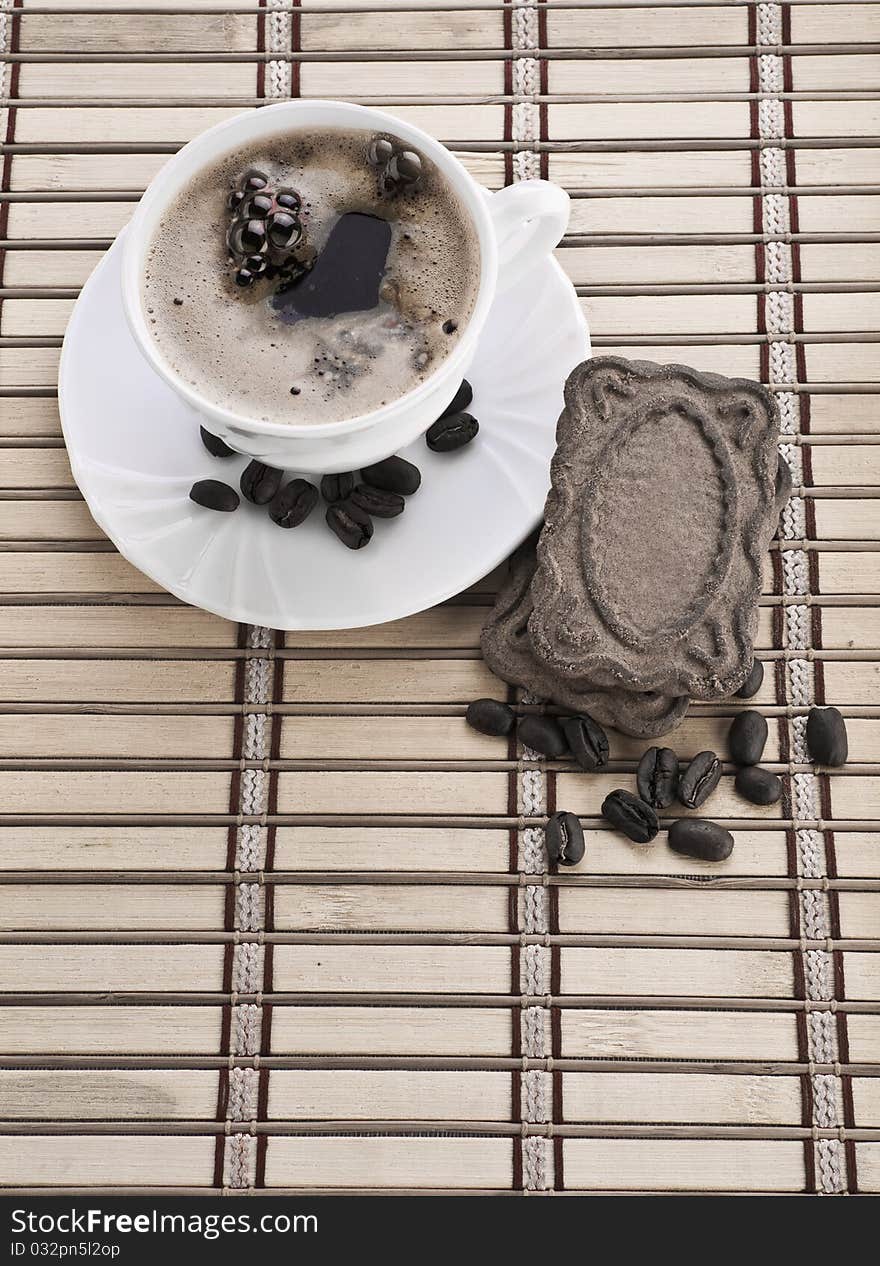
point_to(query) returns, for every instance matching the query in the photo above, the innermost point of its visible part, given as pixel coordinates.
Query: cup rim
(167, 183)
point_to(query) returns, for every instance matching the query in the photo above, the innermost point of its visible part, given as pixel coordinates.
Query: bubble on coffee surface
(237, 344)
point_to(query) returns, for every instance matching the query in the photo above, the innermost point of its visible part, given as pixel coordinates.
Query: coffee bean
(753, 682)
(657, 776)
(699, 780)
(460, 400)
(587, 741)
(758, 785)
(698, 837)
(215, 446)
(293, 503)
(450, 432)
(747, 738)
(490, 717)
(395, 474)
(632, 816)
(543, 734)
(214, 495)
(826, 736)
(352, 525)
(337, 487)
(381, 504)
(260, 482)
(564, 837)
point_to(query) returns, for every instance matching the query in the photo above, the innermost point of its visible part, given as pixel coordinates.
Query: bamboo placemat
(273, 917)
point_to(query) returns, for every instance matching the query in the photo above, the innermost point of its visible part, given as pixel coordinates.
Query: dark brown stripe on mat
(558, 1115)
(507, 21)
(9, 137)
(544, 72)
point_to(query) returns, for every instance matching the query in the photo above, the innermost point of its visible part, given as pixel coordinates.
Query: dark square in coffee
(347, 274)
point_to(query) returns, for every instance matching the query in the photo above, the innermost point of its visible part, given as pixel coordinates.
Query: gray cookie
(508, 651)
(664, 499)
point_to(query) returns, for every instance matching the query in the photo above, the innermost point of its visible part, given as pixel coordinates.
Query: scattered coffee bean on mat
(293, 503)
(490, 717)
(215, 446)
(587, 741)
(543, 734)
(395, 474)
(826, 736)
(758, 785)
(753, 682)
(747, 738)
(564, 837)
(699, 780)
(460, 400)
(632, 816)
(451, 432)
(260, 482)
(338, 487)
(698, 837)
(214, 495)
(352, 525)
(378, 502)
(657, 777)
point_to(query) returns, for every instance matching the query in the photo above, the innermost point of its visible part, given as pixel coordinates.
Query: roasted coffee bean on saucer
(394, 474)
(564, 837)
(293, 503)
(338, 487)
(352, 525)
(214, 495)
(631, 815)
(587, 741)
(490, 717)
(215, 446)
(698, 837)
(657, 777)
(260, 482)
(451, 432)
(378, 502)
(699, 780)
(747, 738)
(758, 785)
(459, 401)
(753, 682)
(826, 736)
(543, 734)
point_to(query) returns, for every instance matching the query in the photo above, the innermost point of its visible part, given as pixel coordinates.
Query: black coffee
(313, 278)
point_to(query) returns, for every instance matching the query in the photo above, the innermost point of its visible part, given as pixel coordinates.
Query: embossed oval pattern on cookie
(654, 551)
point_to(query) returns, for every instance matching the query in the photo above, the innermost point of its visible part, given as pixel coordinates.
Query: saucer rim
(234, 612)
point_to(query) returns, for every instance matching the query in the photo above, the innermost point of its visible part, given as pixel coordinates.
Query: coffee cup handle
(529, 218)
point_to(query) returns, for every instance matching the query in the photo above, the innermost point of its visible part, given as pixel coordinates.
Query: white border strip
(818, 965)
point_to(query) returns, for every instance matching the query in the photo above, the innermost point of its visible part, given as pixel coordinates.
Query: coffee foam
(234, 348)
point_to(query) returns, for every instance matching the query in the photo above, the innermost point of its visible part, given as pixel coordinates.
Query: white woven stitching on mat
(534, 971)
(536, 1093)
(278, 33)
(779, 308)
(526, 123)
(247, 964)
(239, 1160)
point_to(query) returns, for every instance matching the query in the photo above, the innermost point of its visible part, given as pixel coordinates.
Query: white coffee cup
(516, 227)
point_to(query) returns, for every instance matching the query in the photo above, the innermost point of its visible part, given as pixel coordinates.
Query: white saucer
(135, 455)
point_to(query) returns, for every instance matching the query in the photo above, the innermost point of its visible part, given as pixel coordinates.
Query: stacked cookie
(641, 591)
